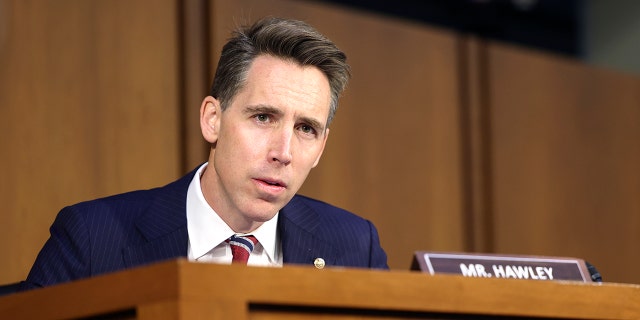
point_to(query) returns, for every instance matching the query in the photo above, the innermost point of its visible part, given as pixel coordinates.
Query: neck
(234, 219)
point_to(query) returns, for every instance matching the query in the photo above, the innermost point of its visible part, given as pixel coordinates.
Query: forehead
(286, 84)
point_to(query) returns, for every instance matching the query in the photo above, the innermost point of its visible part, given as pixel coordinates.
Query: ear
(324, 142)
(210, 119)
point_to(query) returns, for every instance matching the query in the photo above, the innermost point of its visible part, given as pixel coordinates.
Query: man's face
(266, 141)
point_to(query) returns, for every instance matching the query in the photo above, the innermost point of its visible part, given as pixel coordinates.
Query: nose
(280, 148)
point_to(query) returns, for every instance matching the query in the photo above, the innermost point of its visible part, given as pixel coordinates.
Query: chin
(259, 217)
(262, 213)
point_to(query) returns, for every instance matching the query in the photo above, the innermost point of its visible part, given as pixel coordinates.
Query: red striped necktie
(241, 247)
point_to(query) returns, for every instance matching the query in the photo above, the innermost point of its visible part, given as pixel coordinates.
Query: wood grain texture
(183, 290)
(565, 159)
(445, 144)
(89, 107)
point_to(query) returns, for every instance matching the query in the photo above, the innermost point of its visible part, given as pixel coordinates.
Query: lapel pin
(319, 263)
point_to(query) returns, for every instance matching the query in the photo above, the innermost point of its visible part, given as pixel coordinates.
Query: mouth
(272, 182)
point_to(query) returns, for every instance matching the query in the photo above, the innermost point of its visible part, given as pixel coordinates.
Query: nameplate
(499, 266)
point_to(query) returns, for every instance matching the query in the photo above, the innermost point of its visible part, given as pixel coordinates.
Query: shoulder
(324, 218)
(130, 204)
(353, 239)
(323, 209)
(131, 199)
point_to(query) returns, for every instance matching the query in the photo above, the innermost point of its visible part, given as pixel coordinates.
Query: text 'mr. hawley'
(507, 271)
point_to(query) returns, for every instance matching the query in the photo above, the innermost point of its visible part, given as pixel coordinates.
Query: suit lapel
(163, 226)
(300, 242)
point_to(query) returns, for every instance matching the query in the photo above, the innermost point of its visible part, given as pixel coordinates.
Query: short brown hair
(283, 38)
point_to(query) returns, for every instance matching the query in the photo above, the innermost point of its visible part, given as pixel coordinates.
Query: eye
(307, 129)
(262, 117)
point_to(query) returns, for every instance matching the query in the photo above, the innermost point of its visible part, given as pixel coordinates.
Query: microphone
(595, 275)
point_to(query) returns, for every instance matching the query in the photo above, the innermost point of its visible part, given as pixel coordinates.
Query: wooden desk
(183, 290)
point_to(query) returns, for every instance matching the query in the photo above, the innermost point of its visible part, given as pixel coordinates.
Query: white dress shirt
(208, 232)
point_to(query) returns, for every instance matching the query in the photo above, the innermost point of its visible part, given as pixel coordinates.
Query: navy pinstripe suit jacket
(142, 227)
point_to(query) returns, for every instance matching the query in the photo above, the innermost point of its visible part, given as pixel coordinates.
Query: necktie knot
(241, 247)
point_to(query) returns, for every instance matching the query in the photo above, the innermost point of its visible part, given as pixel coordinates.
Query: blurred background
(506, 127)
(595, 31)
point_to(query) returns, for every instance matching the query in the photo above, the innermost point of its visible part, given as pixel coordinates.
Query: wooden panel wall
(446, 143)
(393, 155)
(565, 159)
(88, 107)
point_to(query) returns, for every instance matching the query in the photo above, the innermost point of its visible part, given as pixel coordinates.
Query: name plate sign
(499, 266)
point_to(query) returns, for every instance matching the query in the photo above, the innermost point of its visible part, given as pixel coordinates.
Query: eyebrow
(262, 108)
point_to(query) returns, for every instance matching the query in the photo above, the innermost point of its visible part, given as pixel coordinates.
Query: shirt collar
(207, 230)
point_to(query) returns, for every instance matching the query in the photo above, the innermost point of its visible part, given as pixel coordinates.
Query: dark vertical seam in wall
(469, 223)
(484, 81)
(207, 64)
(182, 92)
(198, 10)
(476, 153)
(208, 40)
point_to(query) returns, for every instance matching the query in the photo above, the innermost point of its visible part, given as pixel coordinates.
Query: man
(274, 95)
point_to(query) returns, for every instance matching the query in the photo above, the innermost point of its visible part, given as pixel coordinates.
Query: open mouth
(273, 183)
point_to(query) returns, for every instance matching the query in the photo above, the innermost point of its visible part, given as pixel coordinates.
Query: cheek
(245, 145)
(308, 153)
